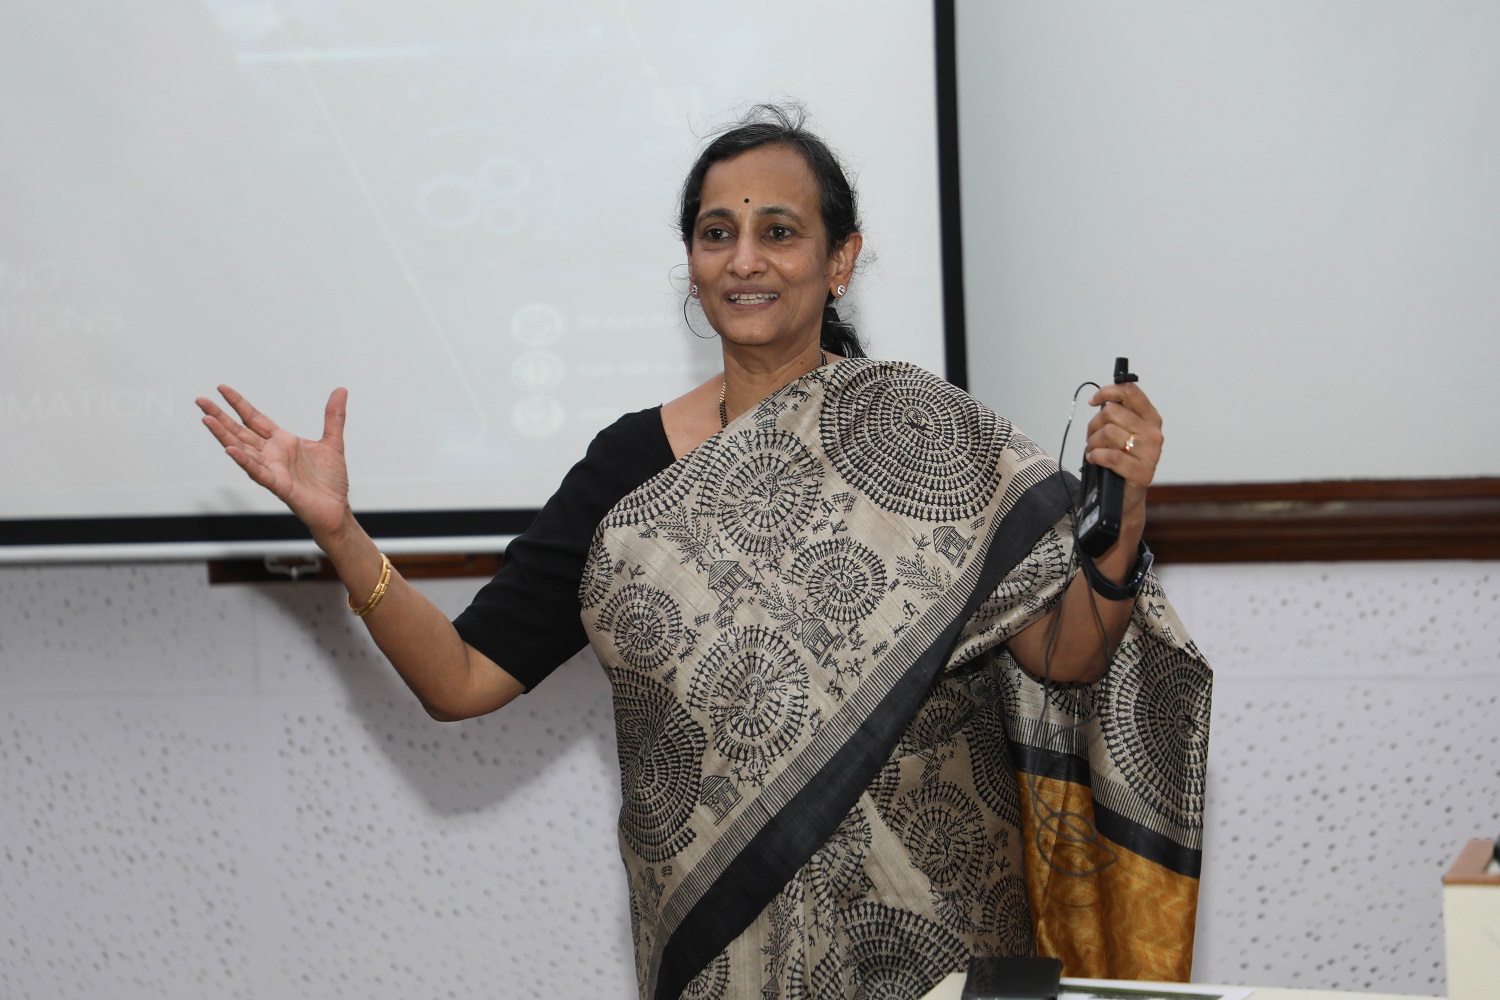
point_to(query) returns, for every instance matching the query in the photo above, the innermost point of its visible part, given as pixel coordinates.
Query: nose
(747, 259)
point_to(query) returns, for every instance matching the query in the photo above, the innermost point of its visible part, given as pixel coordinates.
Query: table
(952, 989)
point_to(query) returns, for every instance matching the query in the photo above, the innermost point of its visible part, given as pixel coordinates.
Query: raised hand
(309, 476)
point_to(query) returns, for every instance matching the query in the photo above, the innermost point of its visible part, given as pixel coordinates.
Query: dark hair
(783, 125)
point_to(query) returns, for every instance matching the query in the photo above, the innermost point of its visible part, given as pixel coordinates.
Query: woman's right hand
(453, 679)
(310, 477)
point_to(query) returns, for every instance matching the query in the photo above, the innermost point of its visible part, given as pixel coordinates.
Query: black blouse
(526, 618)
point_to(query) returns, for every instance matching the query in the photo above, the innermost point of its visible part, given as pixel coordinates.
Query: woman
(810, 580)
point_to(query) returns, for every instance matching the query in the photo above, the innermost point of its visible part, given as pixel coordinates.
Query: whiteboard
(463, 211)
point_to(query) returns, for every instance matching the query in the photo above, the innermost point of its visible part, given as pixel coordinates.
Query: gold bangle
(385, 581)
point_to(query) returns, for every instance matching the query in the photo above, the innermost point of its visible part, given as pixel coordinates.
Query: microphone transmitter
(1103, 500)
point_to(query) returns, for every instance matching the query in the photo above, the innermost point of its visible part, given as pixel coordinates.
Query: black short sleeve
(527, 618)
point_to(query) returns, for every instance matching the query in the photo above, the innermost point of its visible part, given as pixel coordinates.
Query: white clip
(294, 566)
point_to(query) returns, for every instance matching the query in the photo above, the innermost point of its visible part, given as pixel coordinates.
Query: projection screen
(461, 211)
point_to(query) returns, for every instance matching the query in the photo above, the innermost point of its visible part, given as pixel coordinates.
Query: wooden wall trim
(412, 567)
(1325, 521)
(1322, 521)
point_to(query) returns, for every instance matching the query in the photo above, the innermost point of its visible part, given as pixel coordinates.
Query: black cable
(1067, 825)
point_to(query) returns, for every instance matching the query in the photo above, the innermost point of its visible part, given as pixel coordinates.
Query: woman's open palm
(309, 476)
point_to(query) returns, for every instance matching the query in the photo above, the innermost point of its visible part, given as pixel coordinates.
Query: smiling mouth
(752, 298)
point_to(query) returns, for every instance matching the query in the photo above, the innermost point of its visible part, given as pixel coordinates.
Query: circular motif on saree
(760, 488)
(1022, 692)
(645, 623)
(944, 833)
(758, 698)
(711, 982)
(661, 760)
(1006, 916)
(666, 492)
(796, 978)
(598, 573)
(891, 955)
(837, 869)
(1045, 564)
(1074, 701)
(843, 579)
(912, 443)
(1154, 710)
(990, 763)
(661, 494)
(886, 786)
(939, 720)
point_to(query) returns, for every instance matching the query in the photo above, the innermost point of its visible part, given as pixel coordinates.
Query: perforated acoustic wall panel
(1355, 748)
(226, 792)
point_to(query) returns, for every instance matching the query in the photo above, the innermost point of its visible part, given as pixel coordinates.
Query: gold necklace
(724, 412)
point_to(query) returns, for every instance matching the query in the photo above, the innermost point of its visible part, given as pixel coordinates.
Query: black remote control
(1103, 494)
(1012, 977)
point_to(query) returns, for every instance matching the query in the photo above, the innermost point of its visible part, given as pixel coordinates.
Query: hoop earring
(689, 323)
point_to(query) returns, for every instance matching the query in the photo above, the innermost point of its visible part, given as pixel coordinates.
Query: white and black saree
(820, 732)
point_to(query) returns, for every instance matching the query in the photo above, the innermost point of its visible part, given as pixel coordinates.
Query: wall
(224, 791)
(1281, 211)
(1353, 752)
(227, 792)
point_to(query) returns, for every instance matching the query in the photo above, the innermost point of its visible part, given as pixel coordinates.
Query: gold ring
(1130, 444)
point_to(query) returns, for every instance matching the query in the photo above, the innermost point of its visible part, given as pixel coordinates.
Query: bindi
(747, 201)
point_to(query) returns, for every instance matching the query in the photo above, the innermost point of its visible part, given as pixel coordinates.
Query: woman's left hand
(1125, 437)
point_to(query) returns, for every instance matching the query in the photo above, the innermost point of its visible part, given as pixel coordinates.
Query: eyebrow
(763, 211)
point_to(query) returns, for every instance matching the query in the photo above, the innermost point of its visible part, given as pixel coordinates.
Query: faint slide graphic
(470, 196)
(538, 416)
(537, 371)
(537, 324)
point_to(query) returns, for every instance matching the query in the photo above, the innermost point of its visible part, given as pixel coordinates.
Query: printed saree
(836, 782)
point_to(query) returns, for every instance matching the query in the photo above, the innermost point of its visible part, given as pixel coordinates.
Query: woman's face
(759, 250)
